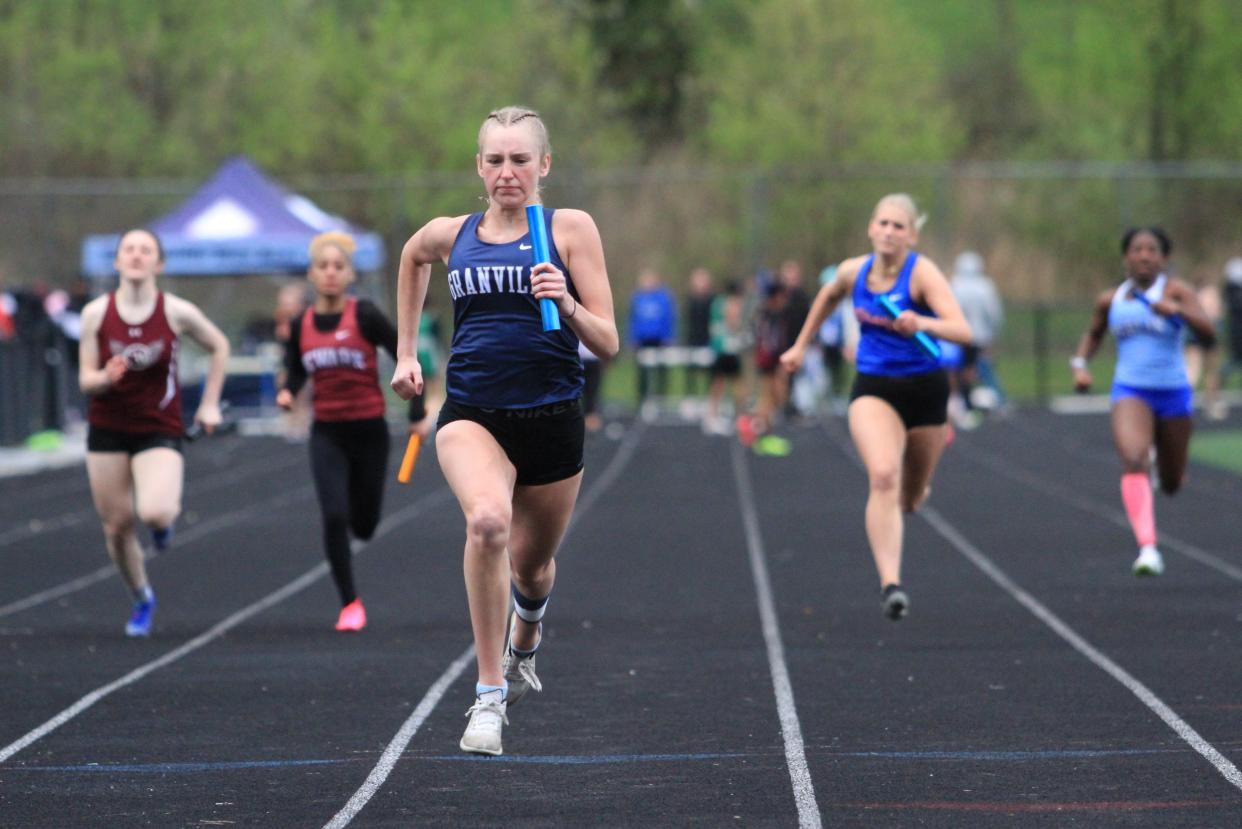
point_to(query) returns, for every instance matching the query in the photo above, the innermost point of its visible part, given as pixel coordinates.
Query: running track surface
(714, 651)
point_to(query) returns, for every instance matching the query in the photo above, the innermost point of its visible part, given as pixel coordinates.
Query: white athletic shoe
(487, 716)
(519, 671)
(1149, 562)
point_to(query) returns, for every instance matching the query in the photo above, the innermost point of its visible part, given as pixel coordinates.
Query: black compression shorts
(920, 399)
(131, 443)
(544, 443)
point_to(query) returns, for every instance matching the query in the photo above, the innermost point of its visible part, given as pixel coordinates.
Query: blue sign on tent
(239, 222)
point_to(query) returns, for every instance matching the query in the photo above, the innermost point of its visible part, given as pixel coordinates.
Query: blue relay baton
(539, 241)
(925, 342)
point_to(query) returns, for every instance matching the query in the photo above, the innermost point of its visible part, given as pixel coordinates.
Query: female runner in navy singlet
(334, 344)
(898, 406)
(510, 434)
(1151, 396)
(128, 369)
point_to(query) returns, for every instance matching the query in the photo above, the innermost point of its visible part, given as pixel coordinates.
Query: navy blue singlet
(501, 357)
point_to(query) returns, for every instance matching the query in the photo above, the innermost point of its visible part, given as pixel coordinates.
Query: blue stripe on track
(1004, 756)
(607, 759)
(576, 759)
(176, 768)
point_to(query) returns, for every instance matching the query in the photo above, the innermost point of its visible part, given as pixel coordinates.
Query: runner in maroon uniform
(335, 344)
(128, 369)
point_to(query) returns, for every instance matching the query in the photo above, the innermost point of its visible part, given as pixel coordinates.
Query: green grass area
(1222, 449)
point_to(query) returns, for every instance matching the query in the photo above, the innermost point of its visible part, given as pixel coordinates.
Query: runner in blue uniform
(1151, 396)
(898, 405)
(510, 434)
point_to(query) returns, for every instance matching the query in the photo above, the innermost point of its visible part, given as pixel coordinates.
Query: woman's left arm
(188, 320)
(1186, 304)
(929, 286)
(591, 315)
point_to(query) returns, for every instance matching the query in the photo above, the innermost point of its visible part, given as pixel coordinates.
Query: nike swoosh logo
(523, 247)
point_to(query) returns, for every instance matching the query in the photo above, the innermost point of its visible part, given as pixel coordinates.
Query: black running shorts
(131, 443)
(920, 399)
(544, 443)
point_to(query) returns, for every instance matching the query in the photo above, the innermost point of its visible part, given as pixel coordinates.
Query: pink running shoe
(353, 616)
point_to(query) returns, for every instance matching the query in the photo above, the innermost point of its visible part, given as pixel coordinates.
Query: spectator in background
(68, 314)
(44, 353)
(772, 337)
(431, 358)
(653, 323)
(8, 310)
(592, 380)
(728, 341)
(1233, 303)
(981, 305)
(798, 395)
(290, 308)
(69, 318)
(698, 333)
(837, 336)
(1203, 359)
(290, 305)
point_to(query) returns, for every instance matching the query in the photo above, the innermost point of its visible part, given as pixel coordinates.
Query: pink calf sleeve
(1136, 495)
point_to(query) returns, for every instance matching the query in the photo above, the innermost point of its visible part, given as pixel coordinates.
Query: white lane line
(388, 760)
(1093, 507)
(196, 487)
(59, 590)
(1079, 448)
(396, 747)
(1222, 764)
(183, 537)
(791, 729)
(39, 526)
(213, 633)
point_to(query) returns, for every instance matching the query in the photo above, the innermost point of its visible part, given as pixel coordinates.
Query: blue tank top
(501, 357)
(881, 350)
(1149, 346)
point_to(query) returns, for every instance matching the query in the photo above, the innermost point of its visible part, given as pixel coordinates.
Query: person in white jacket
(981, 305)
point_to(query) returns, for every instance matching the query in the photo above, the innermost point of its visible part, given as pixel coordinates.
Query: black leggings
(349, 459)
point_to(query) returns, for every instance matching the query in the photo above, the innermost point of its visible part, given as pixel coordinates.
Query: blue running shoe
(139, 623)
(162, 536)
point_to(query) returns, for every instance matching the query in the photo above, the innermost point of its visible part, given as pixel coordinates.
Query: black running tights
(349, 459)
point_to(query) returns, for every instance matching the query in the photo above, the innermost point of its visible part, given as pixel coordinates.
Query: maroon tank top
(147, 400)
(342, 365)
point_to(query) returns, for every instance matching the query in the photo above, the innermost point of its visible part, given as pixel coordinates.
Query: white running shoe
(1149, 562)
(487, 716)
(519, 671)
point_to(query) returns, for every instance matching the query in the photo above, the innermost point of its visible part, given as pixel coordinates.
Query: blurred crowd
(39, 331)
(724, 338)
(711, 352)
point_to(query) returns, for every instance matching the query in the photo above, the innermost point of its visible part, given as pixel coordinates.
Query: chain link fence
(1049, 233)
